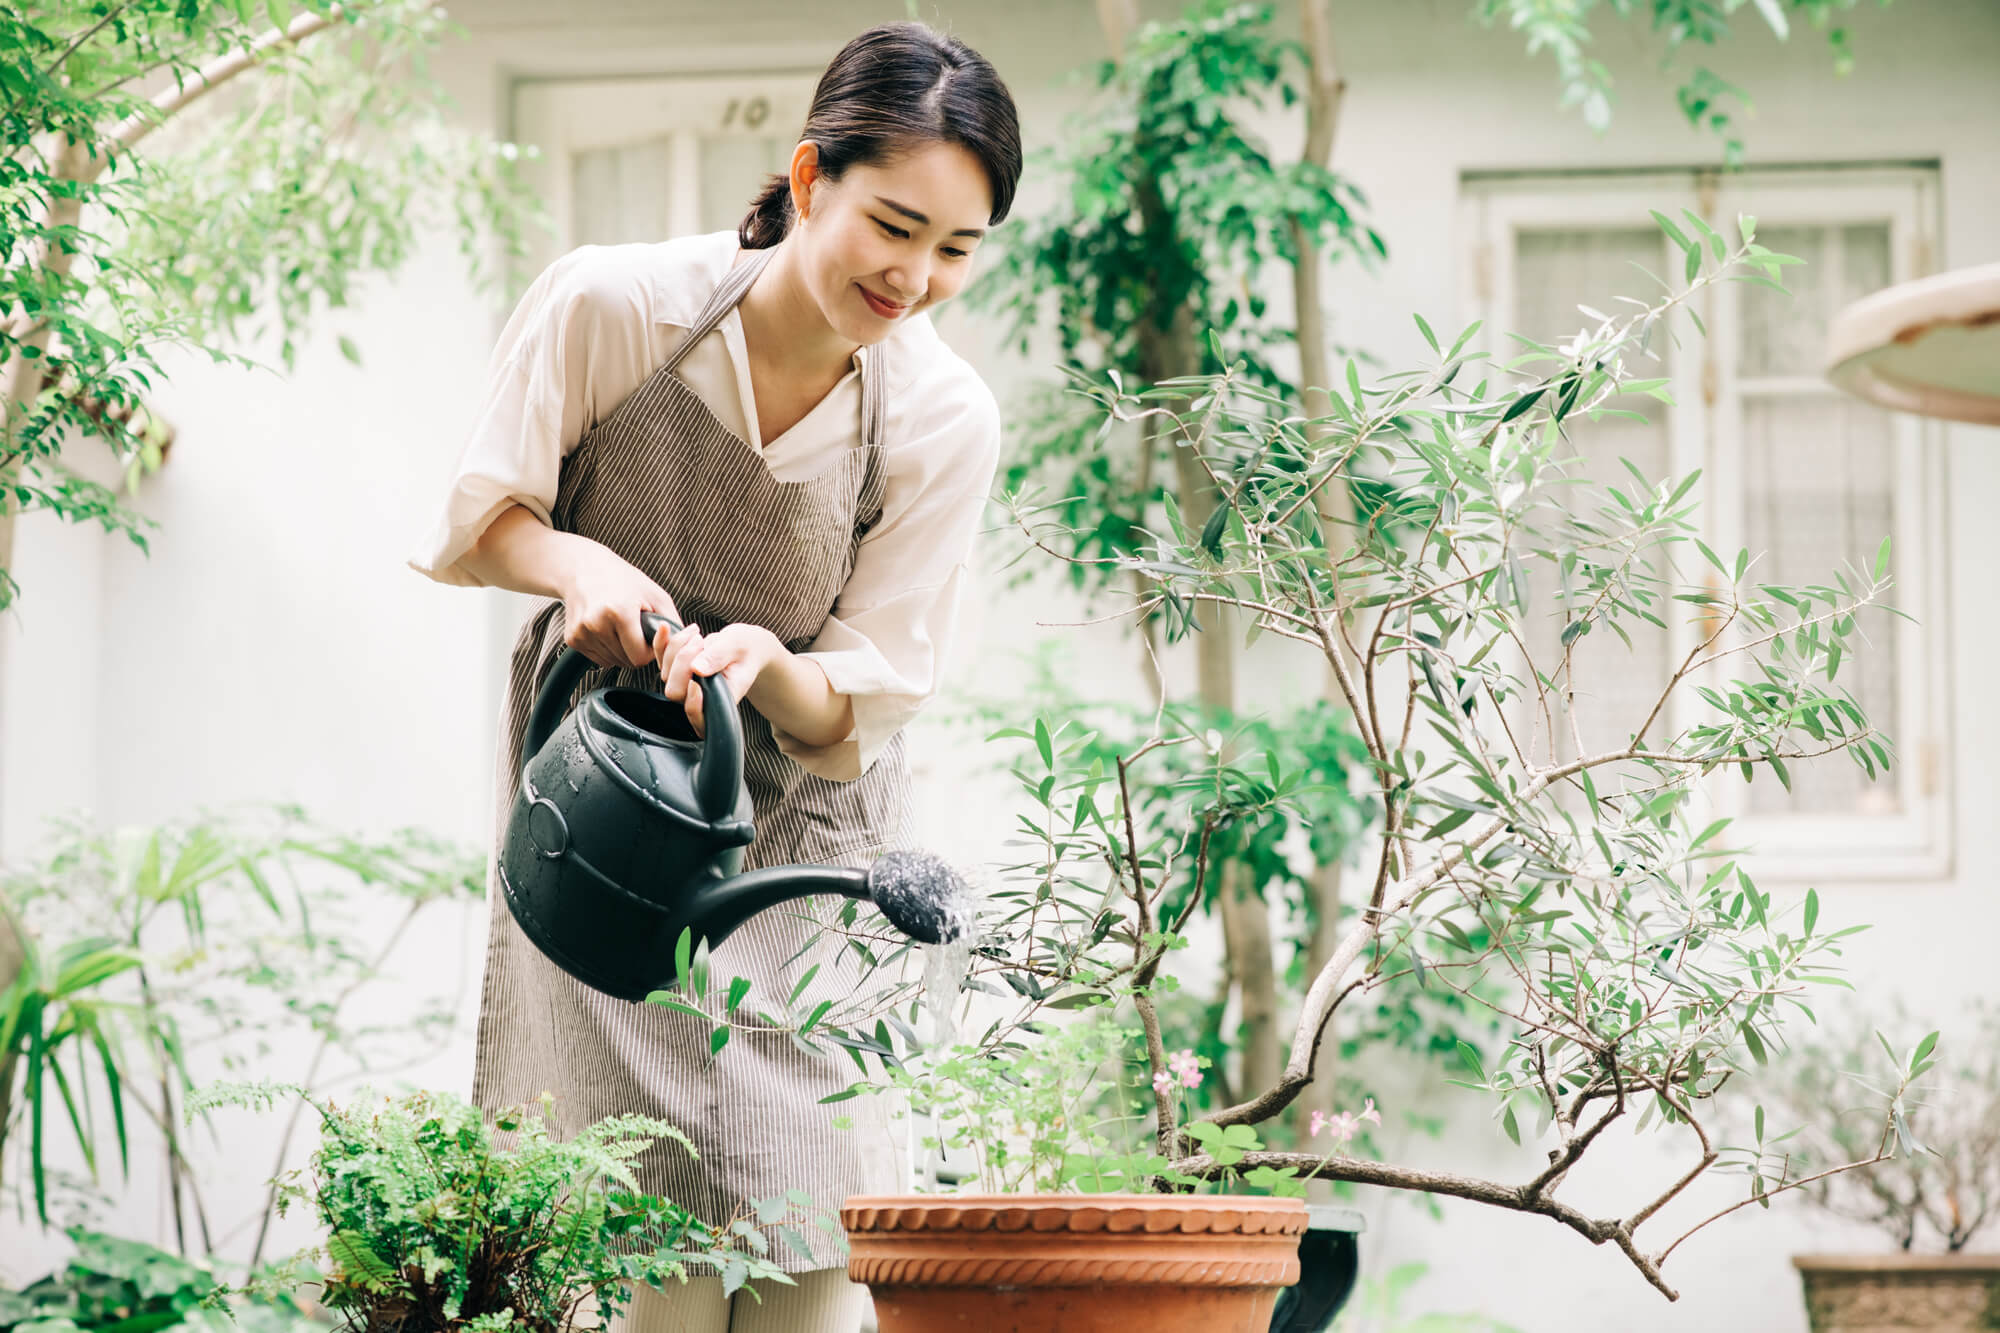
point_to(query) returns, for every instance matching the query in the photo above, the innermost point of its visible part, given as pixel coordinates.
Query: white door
(647, 159)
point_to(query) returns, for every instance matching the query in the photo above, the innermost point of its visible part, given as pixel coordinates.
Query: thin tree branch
(127, 133)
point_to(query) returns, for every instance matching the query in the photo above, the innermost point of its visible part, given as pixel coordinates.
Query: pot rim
(1898, 1261)
(1212, 1201)
(871, 1218)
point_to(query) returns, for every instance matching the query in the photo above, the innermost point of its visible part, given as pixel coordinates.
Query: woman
(760, 436)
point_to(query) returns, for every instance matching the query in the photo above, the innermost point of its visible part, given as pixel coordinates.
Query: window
(1803, 476)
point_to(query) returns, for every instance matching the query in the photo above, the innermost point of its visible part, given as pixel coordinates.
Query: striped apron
(673, 491)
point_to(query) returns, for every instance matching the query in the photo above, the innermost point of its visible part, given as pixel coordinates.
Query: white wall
(273, 646)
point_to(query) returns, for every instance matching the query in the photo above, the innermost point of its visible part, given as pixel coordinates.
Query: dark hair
(896, 87)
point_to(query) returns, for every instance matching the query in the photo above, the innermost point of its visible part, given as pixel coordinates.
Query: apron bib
(677, 494)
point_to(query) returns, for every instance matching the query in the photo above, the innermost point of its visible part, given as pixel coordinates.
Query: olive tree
(1562, 878)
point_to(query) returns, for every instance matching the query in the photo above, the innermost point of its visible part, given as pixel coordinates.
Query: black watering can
(629, 830)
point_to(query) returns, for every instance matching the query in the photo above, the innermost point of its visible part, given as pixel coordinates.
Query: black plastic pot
(1329, 1263)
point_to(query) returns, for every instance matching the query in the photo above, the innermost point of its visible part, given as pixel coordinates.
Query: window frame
(1706, 431)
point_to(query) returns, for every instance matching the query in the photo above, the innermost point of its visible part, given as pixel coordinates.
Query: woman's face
(886, 241)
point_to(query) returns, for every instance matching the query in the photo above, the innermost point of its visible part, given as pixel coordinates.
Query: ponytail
(770, 216)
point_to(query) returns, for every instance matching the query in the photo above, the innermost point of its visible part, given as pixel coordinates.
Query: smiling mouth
(886, 309)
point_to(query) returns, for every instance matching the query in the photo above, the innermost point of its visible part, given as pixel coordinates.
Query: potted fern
(434, 1221)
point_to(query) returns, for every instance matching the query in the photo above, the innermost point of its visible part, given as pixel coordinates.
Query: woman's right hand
(602, 597)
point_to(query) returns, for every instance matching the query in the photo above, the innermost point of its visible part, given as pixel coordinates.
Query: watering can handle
(718, 779)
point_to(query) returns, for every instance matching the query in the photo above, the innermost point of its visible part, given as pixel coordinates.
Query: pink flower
(1186, 1066)
(1163, 1082)
(1342, 1126)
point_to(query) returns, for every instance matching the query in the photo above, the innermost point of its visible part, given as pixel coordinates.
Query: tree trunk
(1320, 942)
(1246, 918)
(1118, 18)
(1334, 504)
(1169, 349)
(23, 383)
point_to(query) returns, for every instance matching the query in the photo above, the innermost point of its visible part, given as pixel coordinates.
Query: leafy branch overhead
(1564, 29)
(1176, 218)
(205, 177)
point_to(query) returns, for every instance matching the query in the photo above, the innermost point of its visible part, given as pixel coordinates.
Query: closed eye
(902, 235)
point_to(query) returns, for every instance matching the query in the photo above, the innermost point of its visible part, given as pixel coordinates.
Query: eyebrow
(916, 217)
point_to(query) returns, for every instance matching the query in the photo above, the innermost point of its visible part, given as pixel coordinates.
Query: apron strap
(734, 285)
(727, 293)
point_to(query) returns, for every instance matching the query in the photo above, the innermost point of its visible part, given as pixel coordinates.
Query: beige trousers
(824, 1301)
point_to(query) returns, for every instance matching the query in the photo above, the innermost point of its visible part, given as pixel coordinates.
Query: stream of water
(946, 965)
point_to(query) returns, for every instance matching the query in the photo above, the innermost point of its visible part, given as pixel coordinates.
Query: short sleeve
(887, 642)
(578, 337)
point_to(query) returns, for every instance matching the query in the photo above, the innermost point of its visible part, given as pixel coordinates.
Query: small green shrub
(129, 1286)
(432, 1225)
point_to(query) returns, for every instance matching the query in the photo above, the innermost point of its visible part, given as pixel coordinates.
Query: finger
(672, 652)
(694, 707)
(683, 665)
(631, 640)
(714, 654)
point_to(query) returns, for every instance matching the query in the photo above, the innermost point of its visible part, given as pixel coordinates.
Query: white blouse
(601, 319)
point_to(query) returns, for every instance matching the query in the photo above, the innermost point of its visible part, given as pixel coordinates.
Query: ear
(805, 172)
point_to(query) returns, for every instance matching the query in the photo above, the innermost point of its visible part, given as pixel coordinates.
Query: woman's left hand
(738, 652)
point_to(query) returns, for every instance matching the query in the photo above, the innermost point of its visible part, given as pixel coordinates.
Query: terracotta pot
(1079, 1263)
(1892, 1293)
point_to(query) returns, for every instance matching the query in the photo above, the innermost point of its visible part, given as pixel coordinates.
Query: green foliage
(1482, 836)
(1174, 218)
(139, 949)
(1278, 796)
(1937, 1183)
(432, 1224)
(110, 1283)
(251, 211)
(1564, 29)
(1045, 1115)
(1564, 882)
(126, 1286)
(1067, 1110)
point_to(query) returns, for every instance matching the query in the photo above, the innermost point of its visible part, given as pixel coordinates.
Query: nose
(908, 281)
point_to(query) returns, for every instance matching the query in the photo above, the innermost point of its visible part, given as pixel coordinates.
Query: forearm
(521, 553)
(797, 698)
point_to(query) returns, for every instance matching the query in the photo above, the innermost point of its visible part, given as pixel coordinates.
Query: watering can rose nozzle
(922, 895)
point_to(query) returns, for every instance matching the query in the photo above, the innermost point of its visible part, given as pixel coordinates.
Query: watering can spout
(919, 893)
